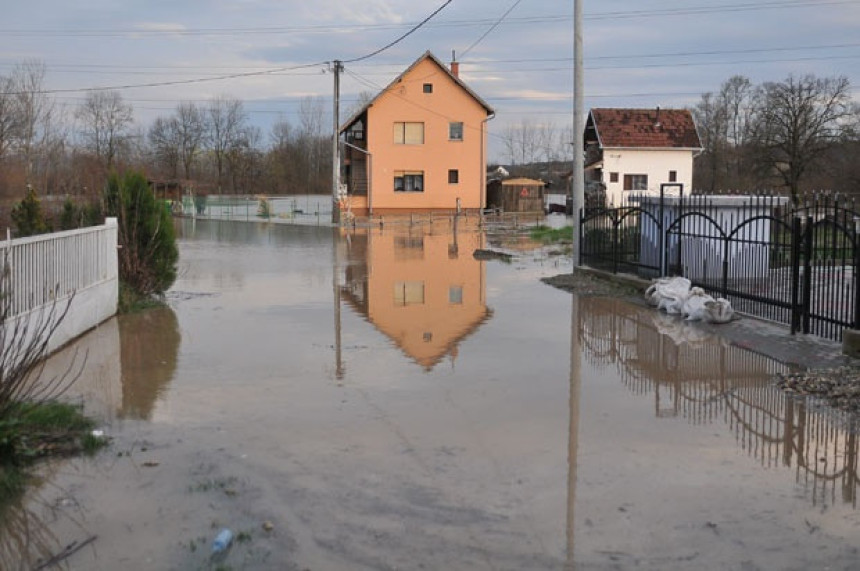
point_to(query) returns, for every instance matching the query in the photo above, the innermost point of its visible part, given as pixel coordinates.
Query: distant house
(516, 195)
(419, 145)
(636, 150)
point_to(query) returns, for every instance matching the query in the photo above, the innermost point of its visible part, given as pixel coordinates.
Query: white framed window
(408, 133)
(408, 181)
(455, 131)
(636, 182)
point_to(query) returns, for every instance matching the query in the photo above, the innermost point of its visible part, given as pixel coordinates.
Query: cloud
(366, 12)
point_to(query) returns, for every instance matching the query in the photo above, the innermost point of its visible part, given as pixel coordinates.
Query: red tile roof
(644, 128)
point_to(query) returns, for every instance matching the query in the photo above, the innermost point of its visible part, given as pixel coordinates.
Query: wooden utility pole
(337, 67)
(578, 182)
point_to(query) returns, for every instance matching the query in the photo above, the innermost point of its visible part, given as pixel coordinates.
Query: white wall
(47, 273)
(655, 163)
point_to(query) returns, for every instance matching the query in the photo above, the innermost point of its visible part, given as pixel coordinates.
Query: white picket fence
(42, 273)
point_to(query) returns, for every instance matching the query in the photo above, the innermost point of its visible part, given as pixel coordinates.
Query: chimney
(455, 65)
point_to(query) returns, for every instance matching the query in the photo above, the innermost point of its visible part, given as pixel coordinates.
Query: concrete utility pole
(335, 147)
(578, 130)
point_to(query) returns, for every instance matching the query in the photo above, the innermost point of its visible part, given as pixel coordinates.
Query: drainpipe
(484, 122)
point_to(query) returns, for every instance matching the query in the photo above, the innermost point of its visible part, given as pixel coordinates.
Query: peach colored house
(419, 146)
(424, 290)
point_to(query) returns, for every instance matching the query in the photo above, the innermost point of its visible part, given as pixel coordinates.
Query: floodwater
(380, 399)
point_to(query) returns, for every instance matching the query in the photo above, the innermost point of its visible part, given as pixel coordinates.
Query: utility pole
(578, 130)
(335, 147)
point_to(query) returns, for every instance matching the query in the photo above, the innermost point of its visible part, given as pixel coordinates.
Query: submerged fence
(796, 264)
(40, 273)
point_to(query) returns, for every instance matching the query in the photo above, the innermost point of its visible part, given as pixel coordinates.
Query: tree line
(63, 150)
(793, 136)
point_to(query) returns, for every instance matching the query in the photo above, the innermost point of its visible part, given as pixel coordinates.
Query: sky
(517, 55)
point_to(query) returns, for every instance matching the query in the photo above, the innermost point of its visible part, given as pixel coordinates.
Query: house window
(428, 88)
(408, 181)
(455, 131)
(455, 295)
(636, 182)
(673, 176)
(613, 177)
(408, 293)
(406, 133)
(453, 176)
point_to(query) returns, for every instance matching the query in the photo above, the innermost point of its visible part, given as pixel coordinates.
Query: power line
(491, 28)
(88, 68)
(401, 38)
(690, 10)
(177, 82)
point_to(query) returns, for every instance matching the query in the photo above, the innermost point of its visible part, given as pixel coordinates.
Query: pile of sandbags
(676, 297)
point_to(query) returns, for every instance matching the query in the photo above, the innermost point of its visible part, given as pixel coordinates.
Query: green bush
(28, 216)
(148, 252)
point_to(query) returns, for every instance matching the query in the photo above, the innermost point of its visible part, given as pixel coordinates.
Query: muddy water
(382, 400)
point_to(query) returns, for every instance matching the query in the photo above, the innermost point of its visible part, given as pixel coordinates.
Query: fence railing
(794, 264)
(39, 271)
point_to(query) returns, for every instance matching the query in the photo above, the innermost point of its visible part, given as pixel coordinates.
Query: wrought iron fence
(792, 263)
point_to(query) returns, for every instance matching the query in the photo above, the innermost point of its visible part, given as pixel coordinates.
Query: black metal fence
(792, 263)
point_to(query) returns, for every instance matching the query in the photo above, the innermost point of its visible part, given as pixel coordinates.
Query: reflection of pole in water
(454, 249)
(573, 432)
(335, 246)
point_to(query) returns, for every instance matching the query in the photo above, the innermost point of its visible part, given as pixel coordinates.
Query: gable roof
(427, 55)
(644, 128)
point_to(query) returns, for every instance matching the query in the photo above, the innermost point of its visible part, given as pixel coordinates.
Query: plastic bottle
(222, 541)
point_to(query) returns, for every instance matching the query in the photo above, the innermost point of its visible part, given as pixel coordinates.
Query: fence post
(809, 240)
(796, 237)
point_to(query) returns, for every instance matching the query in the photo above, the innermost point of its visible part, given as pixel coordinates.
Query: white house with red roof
(634, 151)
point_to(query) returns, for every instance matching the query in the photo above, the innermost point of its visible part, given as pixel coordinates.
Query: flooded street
(381, 399)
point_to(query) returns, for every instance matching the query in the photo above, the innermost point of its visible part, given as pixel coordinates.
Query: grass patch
(549, 235)
(30, 432)
(130, 301)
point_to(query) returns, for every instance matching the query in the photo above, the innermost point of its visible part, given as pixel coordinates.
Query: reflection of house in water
(695, 376)
(420, 286)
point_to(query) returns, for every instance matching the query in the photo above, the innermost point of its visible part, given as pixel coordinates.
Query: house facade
(419, 146)
(634, 151)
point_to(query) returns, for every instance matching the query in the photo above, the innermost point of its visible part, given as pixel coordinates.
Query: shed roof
(644, 128)
(522, 182)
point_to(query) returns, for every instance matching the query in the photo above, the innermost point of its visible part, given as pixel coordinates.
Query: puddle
(381, 399)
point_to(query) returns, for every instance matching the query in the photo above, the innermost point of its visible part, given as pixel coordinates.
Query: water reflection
(419, 285)
(149, 345)
(691, 375)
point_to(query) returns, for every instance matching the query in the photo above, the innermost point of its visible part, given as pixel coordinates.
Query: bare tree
(226, 122)
(190, 127)
(711, 121)
(796, 122)
(243, 157)
(106, 120)
(522, 142)
(164, 139)
(32, 106)
(9, 120)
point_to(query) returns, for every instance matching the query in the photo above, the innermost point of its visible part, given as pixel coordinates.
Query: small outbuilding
(516, 195)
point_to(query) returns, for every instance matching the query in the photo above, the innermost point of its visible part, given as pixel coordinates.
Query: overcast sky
(638, 53)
